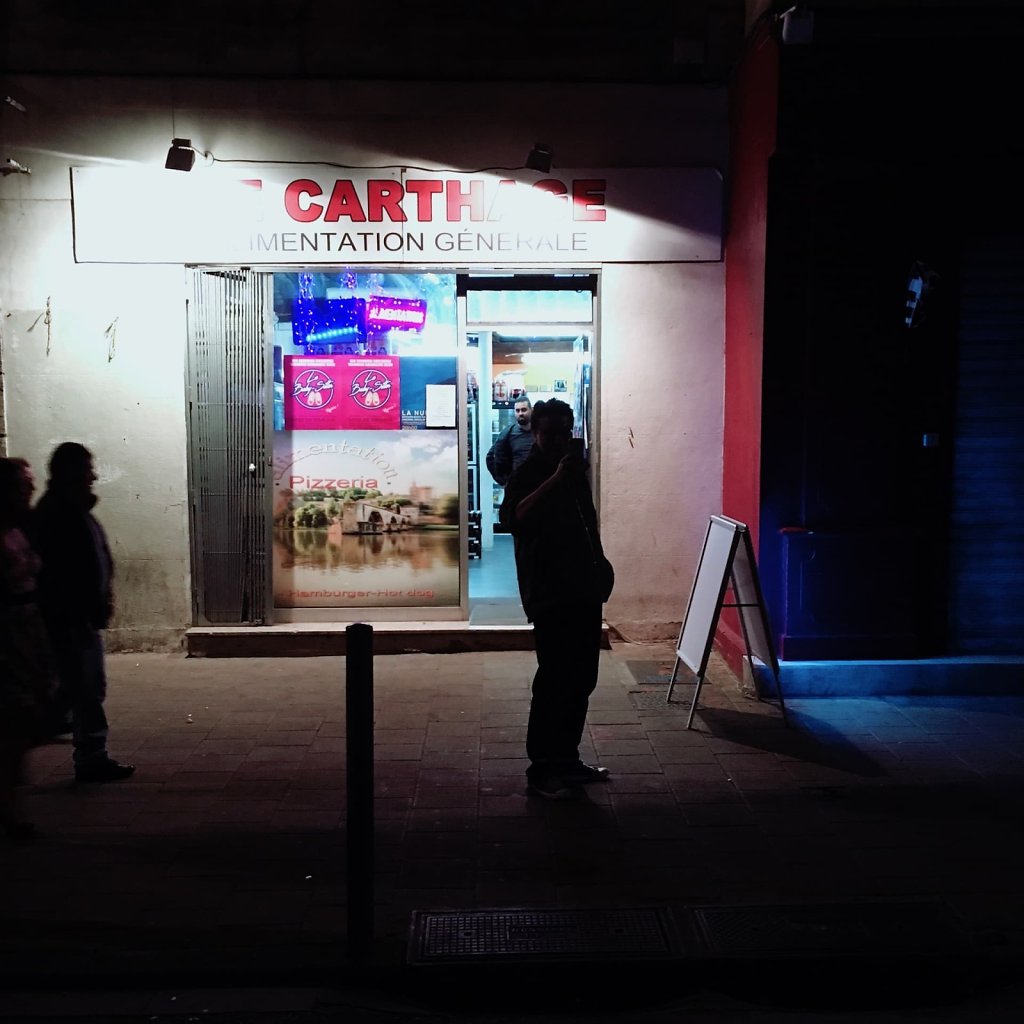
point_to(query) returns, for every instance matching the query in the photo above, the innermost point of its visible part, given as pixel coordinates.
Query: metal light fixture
(11, 166)
(181, 156)
(539, 158)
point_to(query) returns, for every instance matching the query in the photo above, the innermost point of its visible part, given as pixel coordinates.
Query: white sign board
(310, 215)
(726, 559)
(709, 585)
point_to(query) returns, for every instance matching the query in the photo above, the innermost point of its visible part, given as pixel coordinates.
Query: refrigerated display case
(502, 415)
(475, 539)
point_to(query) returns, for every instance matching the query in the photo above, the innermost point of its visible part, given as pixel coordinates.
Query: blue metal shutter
(987, 536)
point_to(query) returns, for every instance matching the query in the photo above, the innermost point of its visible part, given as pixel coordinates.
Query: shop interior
(535, 344)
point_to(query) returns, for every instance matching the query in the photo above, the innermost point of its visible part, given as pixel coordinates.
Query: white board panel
(709, 585)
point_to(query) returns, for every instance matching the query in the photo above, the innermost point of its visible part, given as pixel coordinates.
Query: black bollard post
(359, 763)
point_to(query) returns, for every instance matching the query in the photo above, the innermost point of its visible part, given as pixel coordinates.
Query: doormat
(523, 935)
(834, 929)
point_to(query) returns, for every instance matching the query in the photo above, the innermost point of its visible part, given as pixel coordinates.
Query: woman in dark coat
(26, 679)
(76, 601)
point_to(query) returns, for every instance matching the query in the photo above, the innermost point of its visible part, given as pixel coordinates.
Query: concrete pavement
(221, 863)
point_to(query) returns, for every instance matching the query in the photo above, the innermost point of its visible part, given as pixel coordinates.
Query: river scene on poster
(366, 519)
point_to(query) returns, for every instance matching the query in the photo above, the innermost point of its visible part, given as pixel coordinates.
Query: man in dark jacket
(512, 445)
(564, 578)
(76, 601)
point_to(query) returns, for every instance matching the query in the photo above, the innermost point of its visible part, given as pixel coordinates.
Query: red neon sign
(410, 314)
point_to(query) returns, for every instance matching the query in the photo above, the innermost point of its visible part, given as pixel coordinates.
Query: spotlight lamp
(11, 166)
(539, 158)
(181, 156)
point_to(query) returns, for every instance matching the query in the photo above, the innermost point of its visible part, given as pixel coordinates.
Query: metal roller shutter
(228, 377)
(987, 537)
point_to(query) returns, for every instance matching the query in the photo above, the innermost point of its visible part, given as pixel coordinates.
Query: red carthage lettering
(428, 200)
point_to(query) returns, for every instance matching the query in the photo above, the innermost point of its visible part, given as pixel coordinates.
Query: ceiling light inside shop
(550, 358)
(554, 334)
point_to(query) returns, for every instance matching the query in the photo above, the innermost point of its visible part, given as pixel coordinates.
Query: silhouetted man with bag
(564, 578)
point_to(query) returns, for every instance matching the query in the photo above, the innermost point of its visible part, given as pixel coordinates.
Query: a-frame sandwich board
(726, 561)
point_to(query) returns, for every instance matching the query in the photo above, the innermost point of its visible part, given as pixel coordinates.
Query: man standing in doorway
(564, 578)
(76, 602)
(512, 445)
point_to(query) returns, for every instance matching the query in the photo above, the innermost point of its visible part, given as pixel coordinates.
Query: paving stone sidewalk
(224, 855)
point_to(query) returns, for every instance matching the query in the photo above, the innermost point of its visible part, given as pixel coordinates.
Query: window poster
(356, 350)
(418, 375)
(366, 518)
(441, 401)
(341, 393)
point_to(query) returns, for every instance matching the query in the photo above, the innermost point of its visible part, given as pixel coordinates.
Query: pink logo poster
(341, 393)
(369, 392)
(312, 399)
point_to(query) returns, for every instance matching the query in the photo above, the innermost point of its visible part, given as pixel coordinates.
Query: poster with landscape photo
(366, 519)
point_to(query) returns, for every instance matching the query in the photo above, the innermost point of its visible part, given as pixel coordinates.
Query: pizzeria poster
(366, 519)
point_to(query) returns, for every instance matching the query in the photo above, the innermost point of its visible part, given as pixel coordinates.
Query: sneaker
(103, 769)
(551, 788)
(581, 774)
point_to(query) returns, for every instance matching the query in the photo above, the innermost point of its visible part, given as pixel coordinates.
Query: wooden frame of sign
(726, 562)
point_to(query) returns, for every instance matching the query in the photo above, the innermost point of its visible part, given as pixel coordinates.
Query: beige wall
(119, 389)
(108, 371)
(660, 431)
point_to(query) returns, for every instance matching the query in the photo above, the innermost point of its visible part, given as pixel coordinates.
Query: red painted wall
(754, 106)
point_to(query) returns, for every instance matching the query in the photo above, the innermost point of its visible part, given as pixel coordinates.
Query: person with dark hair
(512, 445)
(26, 678)
(564, 578)
(76, 601)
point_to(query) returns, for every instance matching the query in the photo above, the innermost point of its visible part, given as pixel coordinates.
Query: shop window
(366, 509)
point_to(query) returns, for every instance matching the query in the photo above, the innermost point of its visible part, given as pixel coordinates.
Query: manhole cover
(515, 934)
(831, 929)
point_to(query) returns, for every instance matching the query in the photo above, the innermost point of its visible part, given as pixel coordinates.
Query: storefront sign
(399, 216)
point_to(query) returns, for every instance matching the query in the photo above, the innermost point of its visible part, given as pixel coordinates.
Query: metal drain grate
(866, 929)
(517, 934)
(650, 673)
(654, 700)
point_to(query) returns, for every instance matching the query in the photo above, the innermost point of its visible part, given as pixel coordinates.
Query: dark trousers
(568, 645)
(81, 689)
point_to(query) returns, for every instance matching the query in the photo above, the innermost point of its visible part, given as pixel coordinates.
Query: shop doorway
(523, 336)
(255, 525)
